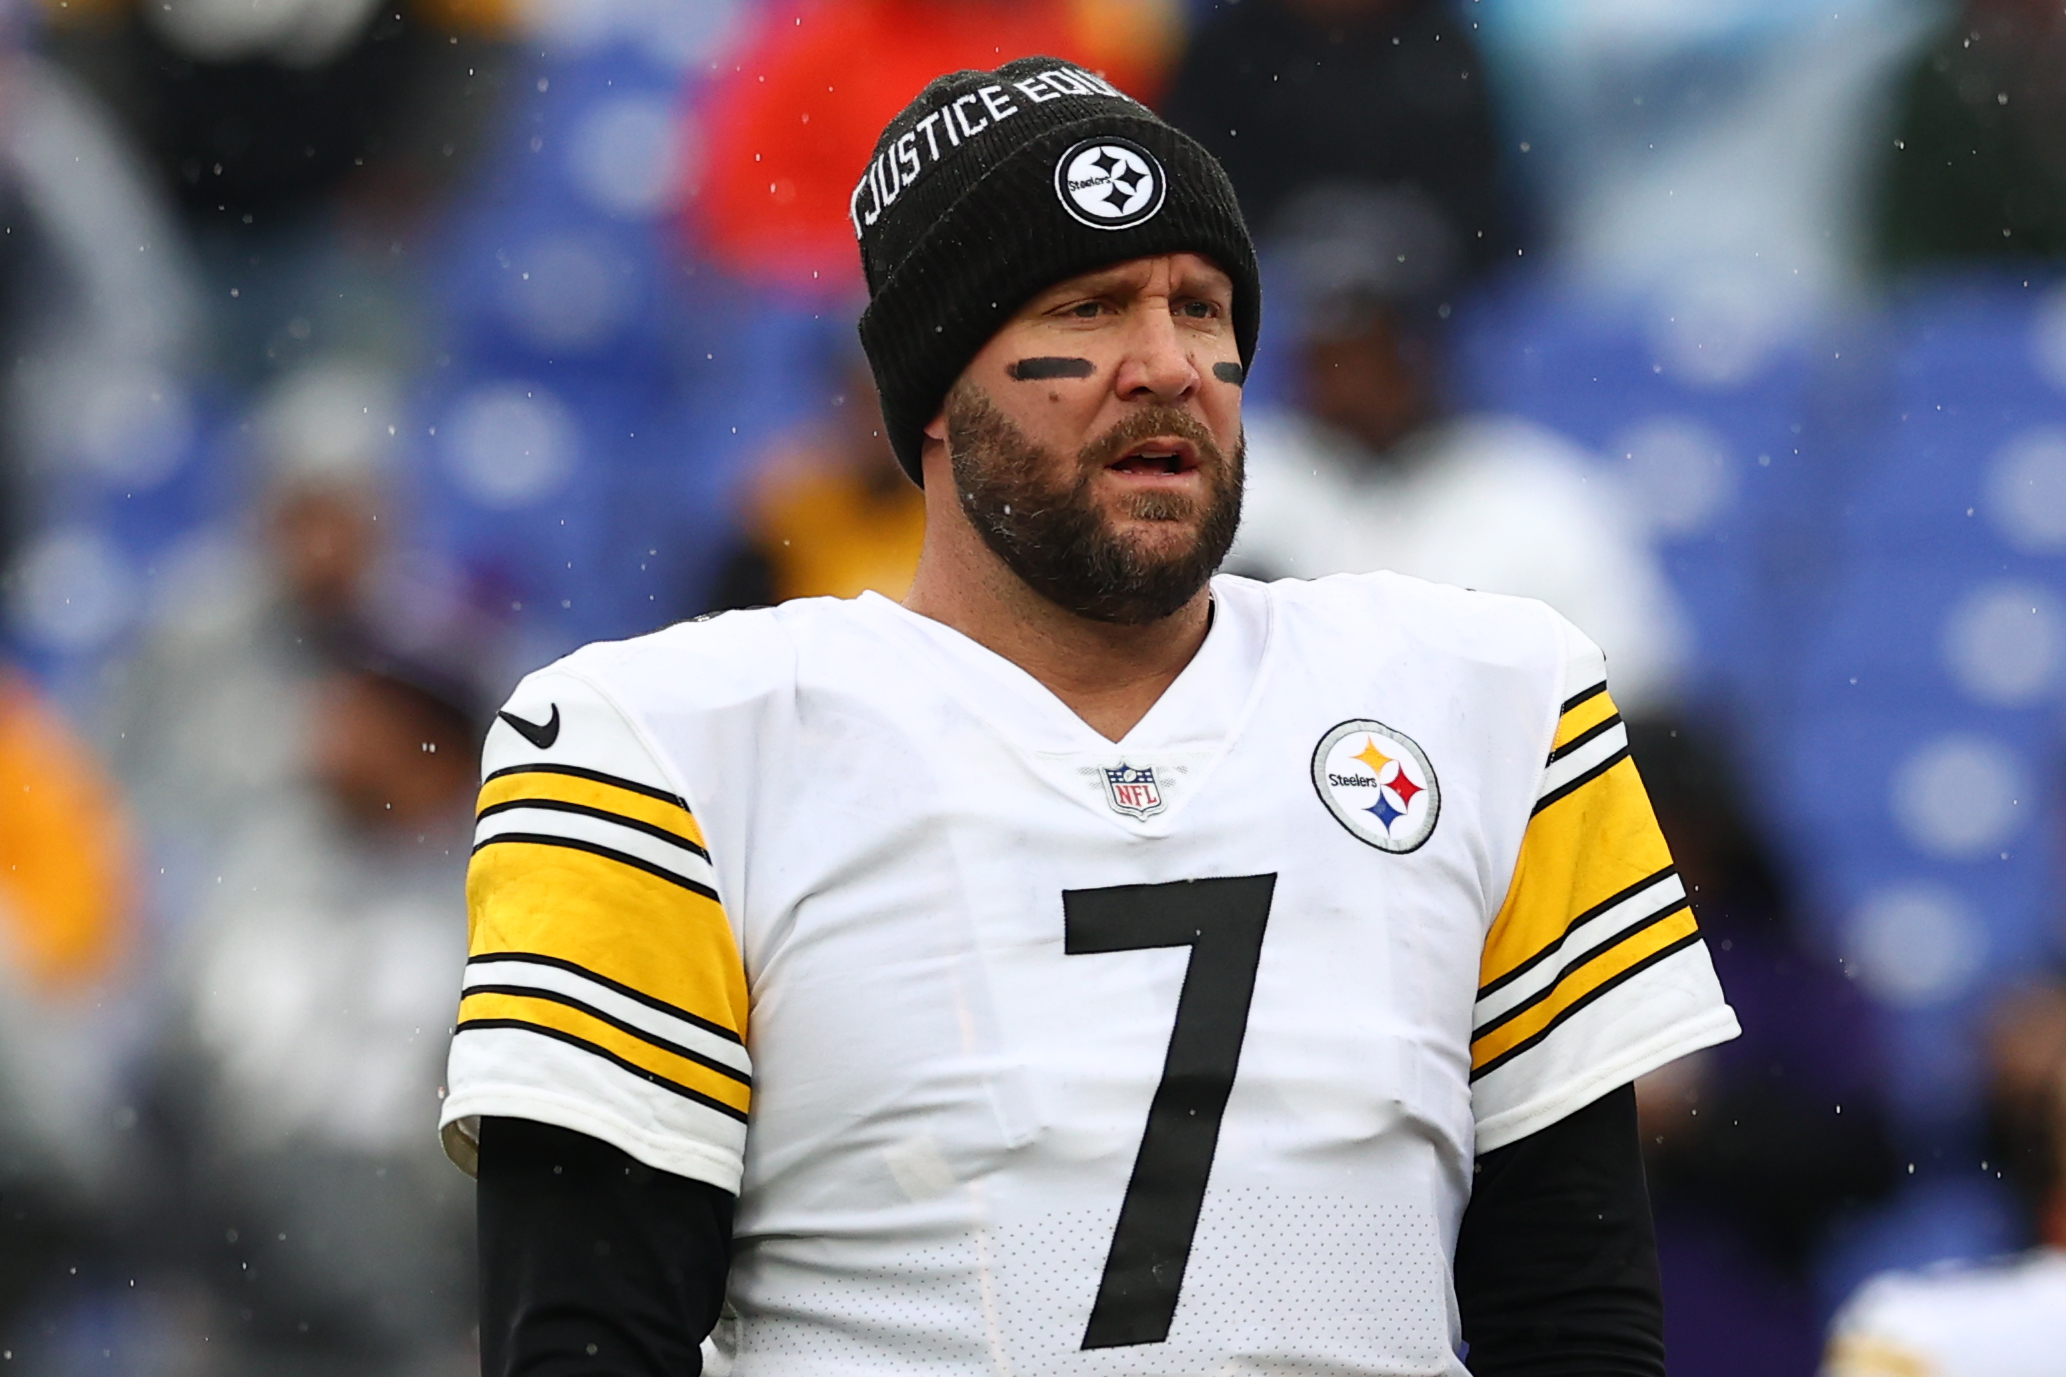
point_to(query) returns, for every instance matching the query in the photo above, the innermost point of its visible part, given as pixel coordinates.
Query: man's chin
(1151, 543)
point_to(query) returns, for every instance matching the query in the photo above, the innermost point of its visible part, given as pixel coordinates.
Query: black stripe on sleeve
(622, 1026)
(520, 1025)
(1571, 787)
(1588, 997)
(1551, 947)
(595, 776)
(1582, 696)
(607, 853)
(640, 996)
(1606, 724)
(1575, 967)
(555, 805)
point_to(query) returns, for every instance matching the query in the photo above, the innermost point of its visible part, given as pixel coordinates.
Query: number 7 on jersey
(1221, 921)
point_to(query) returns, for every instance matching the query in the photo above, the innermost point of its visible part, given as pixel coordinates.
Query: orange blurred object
(790, 130)
(66, 882)
(828, 531)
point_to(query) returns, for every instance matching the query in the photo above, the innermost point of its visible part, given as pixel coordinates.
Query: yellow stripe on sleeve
(668, 943)
(1587, 847)
(502, 1009)
(1598, 970)
(1583, 718)
(589, 791)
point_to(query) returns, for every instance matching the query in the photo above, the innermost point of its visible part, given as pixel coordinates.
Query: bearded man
(1090, 965)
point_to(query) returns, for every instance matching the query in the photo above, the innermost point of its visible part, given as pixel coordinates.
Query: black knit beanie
(993, 186)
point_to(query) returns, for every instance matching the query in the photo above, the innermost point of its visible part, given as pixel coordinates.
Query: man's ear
(934, 457)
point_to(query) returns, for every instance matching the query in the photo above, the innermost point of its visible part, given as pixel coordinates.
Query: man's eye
(1199, 310)
(1084, 310)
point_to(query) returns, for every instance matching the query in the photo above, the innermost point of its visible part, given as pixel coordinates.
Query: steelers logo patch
(1378, 783)
(1110, 183)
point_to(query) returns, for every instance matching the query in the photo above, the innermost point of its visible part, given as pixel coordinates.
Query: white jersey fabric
(1030, 1052)
(2000, 1319)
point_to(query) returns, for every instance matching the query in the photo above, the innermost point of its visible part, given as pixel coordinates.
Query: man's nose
(1157, 365)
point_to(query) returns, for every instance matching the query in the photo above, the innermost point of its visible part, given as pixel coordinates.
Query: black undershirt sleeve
(593, 1264)
(1556, 1263)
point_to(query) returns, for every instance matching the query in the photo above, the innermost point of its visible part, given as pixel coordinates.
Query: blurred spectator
(830, 513)
(1374, 474)
(1757, 1150)
(1977, 169)
(261, 108)
(1383, 97)
(99, 313)
(2005, 1318)
(790, 132)
(312, 1000)
(304, 142)
(214, 713)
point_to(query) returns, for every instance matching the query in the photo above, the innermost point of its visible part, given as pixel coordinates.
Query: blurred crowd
(364, 354)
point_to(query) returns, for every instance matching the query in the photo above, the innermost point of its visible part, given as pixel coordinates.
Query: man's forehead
(1185, 269)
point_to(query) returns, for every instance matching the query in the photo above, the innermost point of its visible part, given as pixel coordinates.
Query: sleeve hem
(459, 1130)
(1511, 1125)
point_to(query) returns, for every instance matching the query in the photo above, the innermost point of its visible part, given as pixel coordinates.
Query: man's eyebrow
(1201, 282)
(1090, 284)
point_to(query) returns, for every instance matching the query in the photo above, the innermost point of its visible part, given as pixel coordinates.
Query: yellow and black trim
(1570, 721)
(1605, 905)
(554, 805)
(570, 788)
(1597, 976)
(610, 880)
(597, 849)
(1595, 899)
(632, 1052)
(637, 996)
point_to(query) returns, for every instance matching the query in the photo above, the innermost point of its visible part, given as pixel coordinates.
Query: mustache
(1145, 425)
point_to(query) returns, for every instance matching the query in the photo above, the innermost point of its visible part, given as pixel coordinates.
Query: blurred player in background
(1998, 1319)
(309, 1008)
(1126, 969)
(1374, 468)
(212, 716)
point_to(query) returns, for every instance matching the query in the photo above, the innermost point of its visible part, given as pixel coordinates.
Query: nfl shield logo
(1132, 791)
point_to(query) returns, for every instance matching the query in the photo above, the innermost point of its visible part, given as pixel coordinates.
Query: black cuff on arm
(1556, 1263)
(593, 1264)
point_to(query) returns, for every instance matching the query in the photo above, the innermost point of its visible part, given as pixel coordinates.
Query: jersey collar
(1188, 730)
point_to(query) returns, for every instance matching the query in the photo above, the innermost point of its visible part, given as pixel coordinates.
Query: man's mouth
(1158, 456)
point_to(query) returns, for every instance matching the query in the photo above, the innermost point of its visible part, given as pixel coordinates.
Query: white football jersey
(1029, 1052)
(1998, 1319)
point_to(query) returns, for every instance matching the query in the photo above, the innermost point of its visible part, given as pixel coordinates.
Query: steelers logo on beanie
(993, 186)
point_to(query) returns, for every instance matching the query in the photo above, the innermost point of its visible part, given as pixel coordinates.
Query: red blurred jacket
(789, 130)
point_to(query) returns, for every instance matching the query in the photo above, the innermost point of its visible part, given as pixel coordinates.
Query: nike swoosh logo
(539, 734)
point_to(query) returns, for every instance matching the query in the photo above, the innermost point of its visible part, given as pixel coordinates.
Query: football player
(1089, 965)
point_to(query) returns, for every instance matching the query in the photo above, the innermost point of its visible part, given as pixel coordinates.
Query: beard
(1050, 531)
